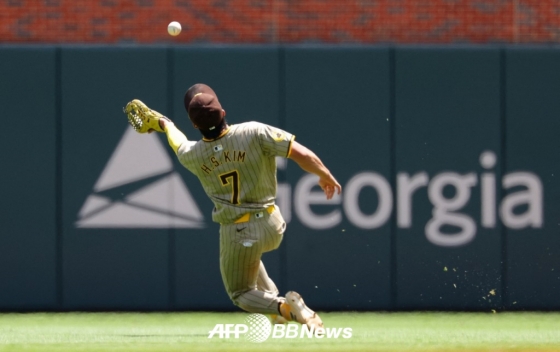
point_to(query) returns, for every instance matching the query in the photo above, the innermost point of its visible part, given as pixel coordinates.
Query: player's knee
(242, 303)
(235, 299)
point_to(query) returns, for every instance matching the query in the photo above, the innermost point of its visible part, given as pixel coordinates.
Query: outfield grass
(371, 332)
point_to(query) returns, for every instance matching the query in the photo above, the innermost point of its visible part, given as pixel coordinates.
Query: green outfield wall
(448, 158)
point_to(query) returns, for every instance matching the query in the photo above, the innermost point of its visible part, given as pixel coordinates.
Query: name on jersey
(227, 157)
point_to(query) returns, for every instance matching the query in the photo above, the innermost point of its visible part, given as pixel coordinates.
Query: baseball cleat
(302, 313)
(278, 319)
(142, 118)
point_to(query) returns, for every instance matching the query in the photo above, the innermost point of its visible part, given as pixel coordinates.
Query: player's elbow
(300, 154)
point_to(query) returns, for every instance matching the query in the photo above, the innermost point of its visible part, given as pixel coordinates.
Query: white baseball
(174, 28)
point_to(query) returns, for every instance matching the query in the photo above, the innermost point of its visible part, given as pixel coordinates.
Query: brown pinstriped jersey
(238, 170)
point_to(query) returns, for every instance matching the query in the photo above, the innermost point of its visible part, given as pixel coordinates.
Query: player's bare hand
(162, 123)
(329, 185)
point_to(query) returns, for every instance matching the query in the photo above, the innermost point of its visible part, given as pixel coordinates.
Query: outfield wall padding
(29, 188)
(447, 114)
(447, 157)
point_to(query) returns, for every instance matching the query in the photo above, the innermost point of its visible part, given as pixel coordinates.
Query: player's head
(205, 110)
(195, 89)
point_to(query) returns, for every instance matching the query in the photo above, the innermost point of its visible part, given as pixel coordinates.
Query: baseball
(174, 28)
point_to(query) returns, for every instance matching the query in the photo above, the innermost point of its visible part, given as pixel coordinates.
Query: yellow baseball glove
(142, 118)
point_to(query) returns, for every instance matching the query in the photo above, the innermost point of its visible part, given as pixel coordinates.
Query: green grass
(371, 332)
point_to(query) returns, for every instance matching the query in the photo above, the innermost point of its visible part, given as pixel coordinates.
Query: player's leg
(264, 282)
(240, 264)
(256, 300)
(269, 232)
(245, 276)
(292, 308)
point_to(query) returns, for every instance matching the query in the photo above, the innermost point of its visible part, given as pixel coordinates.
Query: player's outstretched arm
(143, 119)
(311, 163)
(174, 136)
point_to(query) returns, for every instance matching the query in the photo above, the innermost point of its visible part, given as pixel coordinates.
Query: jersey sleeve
(175, 137)
(184, 151)
(274, 141)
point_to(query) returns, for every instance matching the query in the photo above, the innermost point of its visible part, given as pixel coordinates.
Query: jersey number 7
(232, 178)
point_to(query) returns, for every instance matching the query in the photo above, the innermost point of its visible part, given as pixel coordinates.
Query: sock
(285, 311)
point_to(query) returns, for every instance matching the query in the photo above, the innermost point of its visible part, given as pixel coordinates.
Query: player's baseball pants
(243, 273)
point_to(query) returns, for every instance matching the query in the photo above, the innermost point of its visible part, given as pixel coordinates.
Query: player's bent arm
(311, 163)
(174, 136)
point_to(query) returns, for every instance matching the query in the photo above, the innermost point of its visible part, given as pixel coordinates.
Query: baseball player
(236, 166)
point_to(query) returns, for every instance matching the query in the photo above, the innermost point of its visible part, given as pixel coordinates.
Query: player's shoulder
(189, 147)
(249, 127)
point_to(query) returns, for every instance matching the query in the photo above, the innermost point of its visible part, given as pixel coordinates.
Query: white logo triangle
(159, 197)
